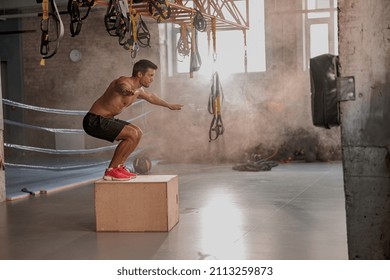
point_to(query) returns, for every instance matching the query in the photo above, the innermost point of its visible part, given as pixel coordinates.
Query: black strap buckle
(76, 19)
(44, 37)
(216, 128)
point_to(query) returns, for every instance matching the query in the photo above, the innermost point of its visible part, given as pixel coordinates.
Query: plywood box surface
(146, 203)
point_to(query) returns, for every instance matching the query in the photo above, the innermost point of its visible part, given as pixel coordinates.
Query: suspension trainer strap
(139, 34)
(124, 23)
(133, 43)
(118, 22)
(216, 95)
(50, 10)
(45, 28)
(196, 61)
(159, 9)
(111, 19)
(184, 42)
(143, 33)
(76, 19)
(214, 108)
(115, 19)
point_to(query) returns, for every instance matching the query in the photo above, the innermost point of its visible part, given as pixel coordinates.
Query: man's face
(147, 78)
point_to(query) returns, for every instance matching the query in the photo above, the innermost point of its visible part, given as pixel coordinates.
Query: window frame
(173, 56)
(308, 22)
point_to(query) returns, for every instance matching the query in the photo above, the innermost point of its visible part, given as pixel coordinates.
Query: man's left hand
(175, 106)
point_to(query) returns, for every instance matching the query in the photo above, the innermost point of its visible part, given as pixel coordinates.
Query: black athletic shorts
(103, 128)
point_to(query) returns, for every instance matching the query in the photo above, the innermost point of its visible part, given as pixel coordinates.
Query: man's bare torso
(113, 101)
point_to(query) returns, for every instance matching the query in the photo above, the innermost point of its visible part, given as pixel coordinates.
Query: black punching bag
(324, 99)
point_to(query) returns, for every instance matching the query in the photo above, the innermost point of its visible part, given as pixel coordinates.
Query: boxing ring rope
(59, 152)
(64, 130)
(42, 109)
(61, 130)
(55, 111)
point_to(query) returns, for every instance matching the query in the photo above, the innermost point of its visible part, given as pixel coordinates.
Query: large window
(230, 55)
(320, 32)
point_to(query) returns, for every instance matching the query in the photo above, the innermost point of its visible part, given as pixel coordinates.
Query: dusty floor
(294, 211)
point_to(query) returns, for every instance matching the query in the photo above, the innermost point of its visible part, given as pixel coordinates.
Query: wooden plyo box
(146, 203)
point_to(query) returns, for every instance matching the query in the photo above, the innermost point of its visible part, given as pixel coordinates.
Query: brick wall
(269, 108)
(63, 84)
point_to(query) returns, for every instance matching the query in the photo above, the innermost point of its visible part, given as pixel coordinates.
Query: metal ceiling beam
(227, 14)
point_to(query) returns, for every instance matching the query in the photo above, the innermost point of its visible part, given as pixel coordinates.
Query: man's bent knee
(131, 132)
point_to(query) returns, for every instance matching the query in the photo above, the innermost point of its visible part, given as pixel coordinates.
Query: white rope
(60, 130)
(50, 110)
(58, 152)
(42, 109)
(69, 167)
(64, 130)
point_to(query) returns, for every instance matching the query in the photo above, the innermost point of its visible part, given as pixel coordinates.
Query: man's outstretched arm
(154, 99)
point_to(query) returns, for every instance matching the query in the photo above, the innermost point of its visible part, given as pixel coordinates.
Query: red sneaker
(125, 171)
(115, 174)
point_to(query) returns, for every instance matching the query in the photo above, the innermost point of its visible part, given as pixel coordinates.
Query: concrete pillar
(364, 50)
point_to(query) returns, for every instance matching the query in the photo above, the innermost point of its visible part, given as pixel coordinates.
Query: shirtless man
(99, 122)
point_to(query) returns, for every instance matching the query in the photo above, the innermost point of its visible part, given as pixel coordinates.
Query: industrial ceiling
(227, 14)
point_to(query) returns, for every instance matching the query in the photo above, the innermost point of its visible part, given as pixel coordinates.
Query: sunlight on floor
(221, 224)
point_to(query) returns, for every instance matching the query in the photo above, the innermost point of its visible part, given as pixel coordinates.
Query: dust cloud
(262, 116)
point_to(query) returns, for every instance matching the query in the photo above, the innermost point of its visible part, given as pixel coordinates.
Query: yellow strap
(218, 105)
(45, 17)
(134, 19)
(45, 9)
(167, 5)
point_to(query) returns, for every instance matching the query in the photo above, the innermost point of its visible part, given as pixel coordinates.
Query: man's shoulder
(123, 79)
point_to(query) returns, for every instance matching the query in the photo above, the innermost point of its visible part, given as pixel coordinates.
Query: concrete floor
(294, 211)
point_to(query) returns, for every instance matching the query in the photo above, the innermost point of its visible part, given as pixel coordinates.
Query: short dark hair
(142, 66)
